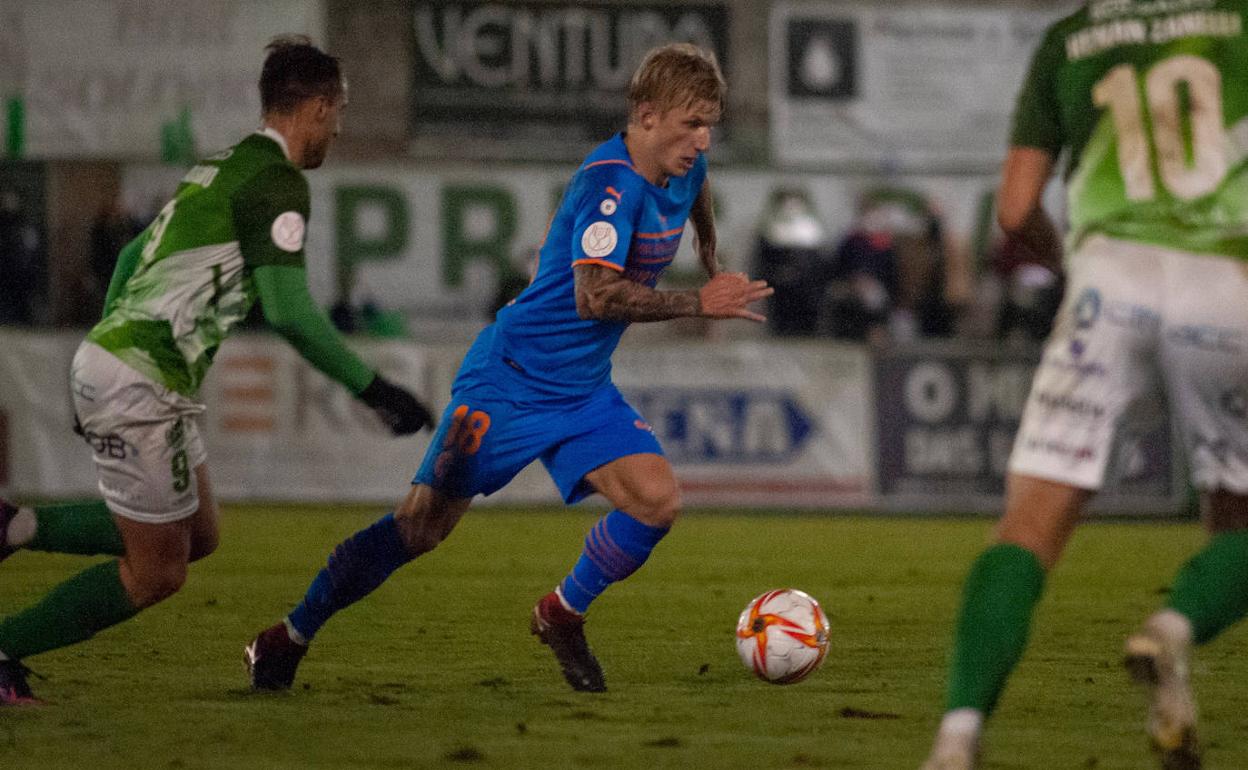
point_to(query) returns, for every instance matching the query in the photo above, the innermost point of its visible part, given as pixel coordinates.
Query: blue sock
(615, 548)
(357, 566)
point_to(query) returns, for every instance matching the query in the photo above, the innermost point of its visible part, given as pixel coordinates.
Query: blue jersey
(609, 216)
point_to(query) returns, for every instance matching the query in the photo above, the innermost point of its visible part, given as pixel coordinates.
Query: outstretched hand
(727, 295)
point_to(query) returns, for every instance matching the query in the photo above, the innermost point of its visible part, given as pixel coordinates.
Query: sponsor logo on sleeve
(599, 239)
(287, 231)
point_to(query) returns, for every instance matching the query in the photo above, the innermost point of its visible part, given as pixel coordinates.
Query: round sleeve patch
(287, 231)
(599, 239)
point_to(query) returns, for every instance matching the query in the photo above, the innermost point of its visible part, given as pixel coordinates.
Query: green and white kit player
(1149, 101)
(233, 234)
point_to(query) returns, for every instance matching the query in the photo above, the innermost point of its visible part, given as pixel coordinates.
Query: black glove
(402, 412)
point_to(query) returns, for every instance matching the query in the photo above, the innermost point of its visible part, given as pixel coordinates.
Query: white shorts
(145, 438)
(1142, 325)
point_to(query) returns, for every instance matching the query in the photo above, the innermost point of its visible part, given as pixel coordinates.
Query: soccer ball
(782, 636)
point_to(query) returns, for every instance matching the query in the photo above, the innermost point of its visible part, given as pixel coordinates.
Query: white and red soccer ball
(782, 636)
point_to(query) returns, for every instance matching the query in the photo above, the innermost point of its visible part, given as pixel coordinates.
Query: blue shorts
(485, 438)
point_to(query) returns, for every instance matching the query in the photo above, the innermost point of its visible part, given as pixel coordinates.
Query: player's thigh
(1098, 376)
(144, 437)
(642, 485)
(1040, 515)
(599, 432)
(1205, 364)
(482, 442)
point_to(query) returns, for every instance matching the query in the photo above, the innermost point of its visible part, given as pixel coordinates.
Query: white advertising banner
(897, 86)
(109, 81)
(744, 424)
(40, 455)
(758, 424)
(275, 428)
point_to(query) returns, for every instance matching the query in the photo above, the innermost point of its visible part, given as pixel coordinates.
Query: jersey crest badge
(599, 239)
(287, 231)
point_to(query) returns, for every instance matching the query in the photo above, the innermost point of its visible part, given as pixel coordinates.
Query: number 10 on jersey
(1178, 121)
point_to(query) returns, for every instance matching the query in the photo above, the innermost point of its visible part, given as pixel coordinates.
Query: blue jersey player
(537, 383)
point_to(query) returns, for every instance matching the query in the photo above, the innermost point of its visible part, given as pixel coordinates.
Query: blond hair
(676, 75)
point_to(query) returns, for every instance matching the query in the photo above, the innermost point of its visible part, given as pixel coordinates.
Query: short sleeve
(1037, 114)
(607, 206)
(271, 217)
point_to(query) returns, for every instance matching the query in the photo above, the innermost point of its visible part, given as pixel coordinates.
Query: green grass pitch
(437, 669)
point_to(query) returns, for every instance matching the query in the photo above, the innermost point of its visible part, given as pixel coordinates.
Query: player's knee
(420, 535)
(1046, 548)
(154, 585)
(656, 504)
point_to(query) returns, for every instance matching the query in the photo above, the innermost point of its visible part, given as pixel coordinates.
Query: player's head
(676, 75)
(303, 85)
(675, 97)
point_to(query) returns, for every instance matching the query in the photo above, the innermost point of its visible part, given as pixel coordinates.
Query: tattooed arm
(606, 295)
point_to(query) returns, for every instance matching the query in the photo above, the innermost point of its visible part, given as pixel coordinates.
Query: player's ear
(323, 106)
(646, 115)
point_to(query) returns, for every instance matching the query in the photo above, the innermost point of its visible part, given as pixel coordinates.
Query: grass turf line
(437, 669)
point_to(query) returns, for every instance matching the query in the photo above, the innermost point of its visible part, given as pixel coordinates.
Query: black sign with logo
(946, 422)
(823, 58)
(547, 73)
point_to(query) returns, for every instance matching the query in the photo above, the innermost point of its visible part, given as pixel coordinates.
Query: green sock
(1211, 590)
(85, 528)
(1004, 585)
(73, 612)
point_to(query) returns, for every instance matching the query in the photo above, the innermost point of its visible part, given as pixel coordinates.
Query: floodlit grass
(437, 669)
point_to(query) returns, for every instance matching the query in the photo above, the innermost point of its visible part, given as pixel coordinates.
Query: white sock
(563, 601)
(962, 722)
(21, 528)
(294, 635)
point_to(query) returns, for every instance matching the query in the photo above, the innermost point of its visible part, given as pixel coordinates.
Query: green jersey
(238, 210)
(1150, 98)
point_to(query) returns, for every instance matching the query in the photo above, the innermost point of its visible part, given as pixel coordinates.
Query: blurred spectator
(19, 272)
(861, 296)
(889, 279)
(792, 254)
(112, 228)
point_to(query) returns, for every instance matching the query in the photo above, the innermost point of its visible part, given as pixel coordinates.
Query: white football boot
(1157, 657)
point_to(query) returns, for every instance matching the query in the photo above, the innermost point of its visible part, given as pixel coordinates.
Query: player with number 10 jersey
(1149, 102)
